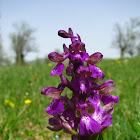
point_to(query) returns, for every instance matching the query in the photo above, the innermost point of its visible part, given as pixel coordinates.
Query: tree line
(126, 39)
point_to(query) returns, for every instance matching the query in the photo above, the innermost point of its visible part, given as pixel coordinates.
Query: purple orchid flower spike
(82, 115)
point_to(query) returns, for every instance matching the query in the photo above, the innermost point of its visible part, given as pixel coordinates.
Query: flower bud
(63, 34)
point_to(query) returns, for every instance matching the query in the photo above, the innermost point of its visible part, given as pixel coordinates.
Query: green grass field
(21, 121)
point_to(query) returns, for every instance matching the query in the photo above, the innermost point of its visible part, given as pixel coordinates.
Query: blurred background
(29, 32)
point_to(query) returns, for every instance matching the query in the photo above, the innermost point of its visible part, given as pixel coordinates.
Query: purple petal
(66, 50)
(56, 107)
(109, 107)
(82, 126)
(79, 38)
(82, 56)
(63, 34)
(56, 57)
(95, 58)
(71, 35)
(95, 102)
(55, 128)
(69, 69)
(55, 121)
(58, 70)
(109, 81)
(109, 98)
(84, 70)
(106, 88)
(70, 114)
(108, 120)
(73, 138)
(85, 108)
(98, 79)
(51, 92)
(70, 32)
(88, 125)
(64, 80)
(96, 72)
(84, 84)
(82, 105)
(101, 114)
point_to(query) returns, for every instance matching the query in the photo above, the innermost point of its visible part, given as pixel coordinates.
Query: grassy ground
(21, 121)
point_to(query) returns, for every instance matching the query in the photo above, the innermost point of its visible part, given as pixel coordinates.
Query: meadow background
(22, 119)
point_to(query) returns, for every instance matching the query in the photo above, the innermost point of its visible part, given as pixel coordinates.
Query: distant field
(22, 121)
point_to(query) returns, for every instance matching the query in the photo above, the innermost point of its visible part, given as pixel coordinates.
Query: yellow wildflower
(6, 102)
(30, 67)
(28, 101)
(118, 61)
(49, 64)
(11, 104)
(109, 74)
(126, 63)
(120, 81)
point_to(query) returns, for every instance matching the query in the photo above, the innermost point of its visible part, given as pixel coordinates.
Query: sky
(93, 20)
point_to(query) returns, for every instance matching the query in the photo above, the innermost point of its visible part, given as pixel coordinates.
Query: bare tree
(4, 60)
(138, 47)
(22, 41)
(126, 37)
(1, 55)
(119, 40)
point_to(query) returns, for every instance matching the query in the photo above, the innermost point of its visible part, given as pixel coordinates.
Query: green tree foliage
(127, 37)
(22, 41)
